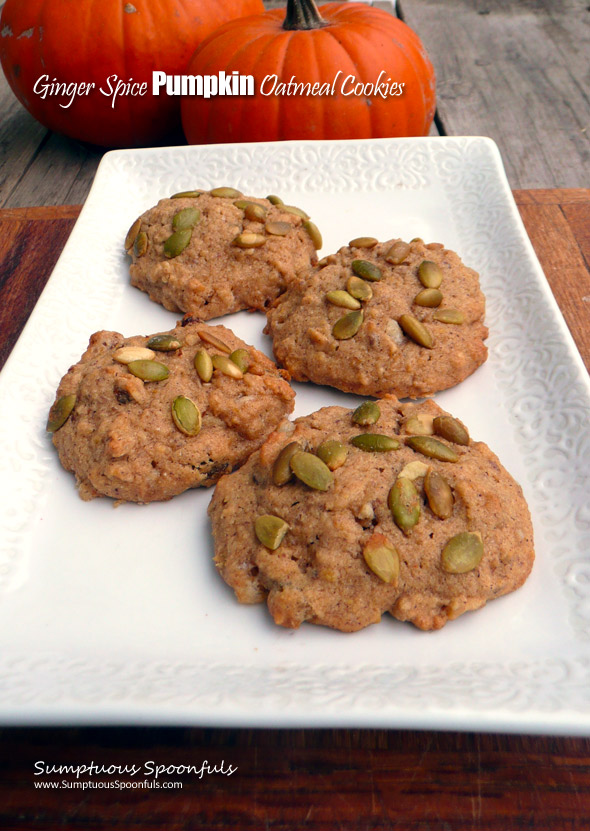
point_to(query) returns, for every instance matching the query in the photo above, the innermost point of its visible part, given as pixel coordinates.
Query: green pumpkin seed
(375, 443)
(141, 244)
(417, 239)
(363, 242)
(358, 288)
(416, 330)
(310, 470)
(382, 558)
(439, 494)
(278, 229)
(255, 212)
(314, 233)
(275, 200)
(291, 209)
(126, 354)
(281, 470)
(164, 343)
(132, 234)
(346, 327)
(429, 274)
(397, 253)
(404, 504)
(366, 413)
(186, 218)
(204, 365)
(367, 270)
(187, 194)
(248, 240)
(148, 370)
(241, 358)
(452, 316)
(213, 340)
(343, 299)
(225, 193)
(333, 453)
(429, 298)
(186, 416)
(177, 242)
(226, 366)
(270, 530)
(433, 448)
(60, 412)
(451, 429)
(462, 553)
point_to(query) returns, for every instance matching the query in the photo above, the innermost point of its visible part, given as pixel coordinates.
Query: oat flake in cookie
(216, 252)
(145, 418)
(351, 514)
(382, 318)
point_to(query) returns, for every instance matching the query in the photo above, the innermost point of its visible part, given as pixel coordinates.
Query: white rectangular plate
(117, 615)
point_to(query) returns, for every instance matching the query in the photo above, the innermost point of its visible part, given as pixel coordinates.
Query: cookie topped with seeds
(391, 318)
(210, 253)
(391, 507)
(142, 419)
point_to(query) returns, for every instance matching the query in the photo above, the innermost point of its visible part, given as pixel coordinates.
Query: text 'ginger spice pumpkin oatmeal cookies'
(396, 318)
(210, 253)
(142, 419)
(387, 508)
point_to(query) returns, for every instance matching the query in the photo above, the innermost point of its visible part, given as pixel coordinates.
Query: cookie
(352, 514)
(142, 419)
(393, 318)
(212, 253)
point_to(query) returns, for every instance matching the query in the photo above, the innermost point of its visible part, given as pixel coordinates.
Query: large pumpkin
(75, 42)
(342, 48)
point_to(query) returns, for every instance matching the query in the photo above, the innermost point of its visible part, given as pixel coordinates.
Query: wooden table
(321, 780)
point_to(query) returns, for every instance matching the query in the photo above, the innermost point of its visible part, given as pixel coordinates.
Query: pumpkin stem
(303, 14)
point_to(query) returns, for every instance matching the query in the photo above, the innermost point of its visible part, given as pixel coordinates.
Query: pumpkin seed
(363, 242)
(462, 553)
(433, 448)
(241, 358)
(148, 370)
(439, 494)
(60, 412)
(429, 274)
(292, 209)
(417, 239)
(359, 288)
(453, 316)
(314, 233)
(382, 558)
(255, 212)
(226, 366)
(343, 299)
(398, 252)
(164, 343)
(186, 218)
(310, 470)
(333, 453)
(281, 470)
(404, 504)
(186, 416)
(366, 413)
(416, 331)
(204, 365)
(375, 443)
(278, 229)
(367, 270)
(451, 429)
(248, 240)
(140, 246)
(429, 298)
(132, 234)
(177, 242)
(346, 327)
(206, 336)
(275, 200)
(126, 354)
(187, 194)
(225, 193)
(270, 530)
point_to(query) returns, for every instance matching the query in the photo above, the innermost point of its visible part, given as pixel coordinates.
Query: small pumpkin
(341, 48)
(88, 42)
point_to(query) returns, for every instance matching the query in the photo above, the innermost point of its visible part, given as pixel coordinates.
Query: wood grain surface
(303, 780)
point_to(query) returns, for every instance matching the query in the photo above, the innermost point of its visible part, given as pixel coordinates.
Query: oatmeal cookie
(390, 508)
(213, 253)
(145, 418)
(382, 318)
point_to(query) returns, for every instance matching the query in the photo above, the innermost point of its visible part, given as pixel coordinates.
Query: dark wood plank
(516, 72)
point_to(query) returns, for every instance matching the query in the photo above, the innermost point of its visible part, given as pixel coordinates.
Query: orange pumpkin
(50, 42)
(342, 48)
